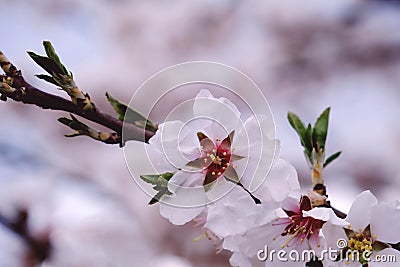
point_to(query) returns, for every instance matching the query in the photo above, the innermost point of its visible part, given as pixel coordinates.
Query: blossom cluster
(203, 173)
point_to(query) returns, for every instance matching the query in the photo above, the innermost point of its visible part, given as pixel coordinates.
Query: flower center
(219, 160)
(360, 242)
(298, 228)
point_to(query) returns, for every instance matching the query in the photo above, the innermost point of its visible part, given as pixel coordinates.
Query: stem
(316, 172)
(256, 200)
(19, 90)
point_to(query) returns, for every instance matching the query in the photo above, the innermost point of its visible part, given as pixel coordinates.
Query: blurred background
(304, 55)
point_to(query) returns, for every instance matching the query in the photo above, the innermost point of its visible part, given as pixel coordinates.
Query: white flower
(203, 154)
(236, 212)
(372, 227)
(295, 226)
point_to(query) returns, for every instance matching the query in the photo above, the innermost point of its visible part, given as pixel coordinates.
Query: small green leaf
(47, 64)
(296, 123)
(308, 142)
(158, 196)
(298, 126)
(155, 178)
(74, 123)
(51, 53)
(47, 78)
(129, 115)
(332, 158)
(151, 179)
(64, 120)
(320, 130)
(160, 182)
(303, 133)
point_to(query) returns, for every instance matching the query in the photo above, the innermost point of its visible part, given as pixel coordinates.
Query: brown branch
(15, 87)
(39, 248)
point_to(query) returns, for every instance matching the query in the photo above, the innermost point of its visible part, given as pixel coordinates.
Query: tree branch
(39, 248)
(15, 87)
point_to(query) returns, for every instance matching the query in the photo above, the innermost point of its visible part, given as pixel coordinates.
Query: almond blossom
(296, 226)
(205, 155)
(372, 229)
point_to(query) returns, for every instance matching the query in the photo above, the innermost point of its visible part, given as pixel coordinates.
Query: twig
(15, 87)
(39, 248)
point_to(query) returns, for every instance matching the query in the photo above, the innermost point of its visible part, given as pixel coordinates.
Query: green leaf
(46, 63)
(158, 196)
(151, 179)
(298, 126)
(305, 134)
(320, 130)
(308, 142)
(332, 158)
(155, 178)
(47, 78)
(160, 182)
(129, 115)
(74, 124)
(51, 53)
(296, 123)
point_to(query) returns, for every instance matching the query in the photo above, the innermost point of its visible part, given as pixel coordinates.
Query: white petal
(292, 256)
(140, 163)
(359, 214)
(178, 215)
(232, 242)
(170, 143)
(281, 182)
(187, 194)
(240, 260)
(291, 204)
(184, 179)
(333, 234)
(326, 215)
(259, 151)
(159, 161)
(260, 237)
(317, 243)
(385, 220)
(219, 110)
(235, 213)
(388, 257)
(329, 263)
